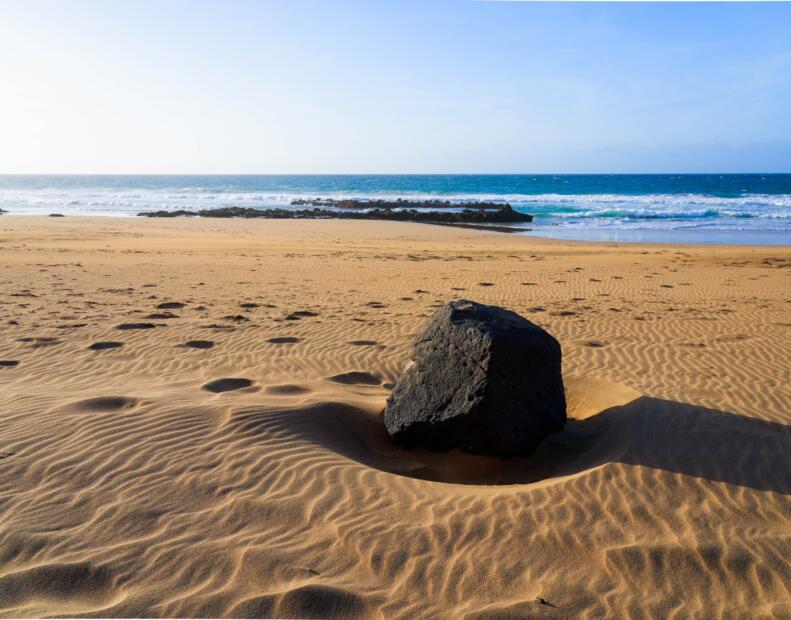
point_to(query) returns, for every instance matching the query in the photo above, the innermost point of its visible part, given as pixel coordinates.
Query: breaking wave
(607, 210)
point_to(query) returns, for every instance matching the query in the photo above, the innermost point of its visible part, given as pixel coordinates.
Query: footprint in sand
(301, 314)
(229, 328)
(127, 326)
(287, 389)
(284, 340)
(102, 404)
(102, 346)
(163, 315)
(39, 342)
(8, 363)
(237, 318)
(356, 378)
(227, 385)
(198, 344)
(732, 338)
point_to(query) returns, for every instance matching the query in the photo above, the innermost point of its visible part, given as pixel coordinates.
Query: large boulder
(483, 379)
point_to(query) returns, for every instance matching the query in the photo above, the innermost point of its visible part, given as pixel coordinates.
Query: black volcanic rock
(483, 379)
(500, 214)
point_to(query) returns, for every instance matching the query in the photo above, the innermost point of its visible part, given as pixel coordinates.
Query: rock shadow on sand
(678, 438)
(102, 404)
(198, 344)
(681, 438)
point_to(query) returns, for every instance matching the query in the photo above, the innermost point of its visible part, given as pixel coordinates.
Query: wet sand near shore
(189, 426)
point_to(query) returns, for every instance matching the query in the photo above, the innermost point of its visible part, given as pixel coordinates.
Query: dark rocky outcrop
(483, 379)
(503, 214)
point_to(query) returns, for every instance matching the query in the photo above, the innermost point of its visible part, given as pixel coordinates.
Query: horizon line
(379, 174)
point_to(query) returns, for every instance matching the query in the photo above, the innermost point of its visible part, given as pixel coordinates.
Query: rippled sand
(189, 426)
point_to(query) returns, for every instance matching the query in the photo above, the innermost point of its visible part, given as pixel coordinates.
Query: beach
(190, 425)
(735, 209)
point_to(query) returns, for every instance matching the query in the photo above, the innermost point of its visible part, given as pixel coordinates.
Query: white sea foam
(751, 211)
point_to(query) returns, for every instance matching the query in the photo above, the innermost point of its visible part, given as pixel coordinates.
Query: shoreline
(531, 233)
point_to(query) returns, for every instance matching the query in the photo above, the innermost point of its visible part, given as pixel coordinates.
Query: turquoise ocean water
(695, 208)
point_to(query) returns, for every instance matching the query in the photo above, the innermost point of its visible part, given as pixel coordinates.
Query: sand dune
(190, 426)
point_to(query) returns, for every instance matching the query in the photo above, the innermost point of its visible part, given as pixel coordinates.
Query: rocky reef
(497, 214)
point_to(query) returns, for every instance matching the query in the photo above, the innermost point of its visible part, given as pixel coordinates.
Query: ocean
(688, 208)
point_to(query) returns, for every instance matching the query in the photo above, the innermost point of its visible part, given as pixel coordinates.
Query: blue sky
(446, 86)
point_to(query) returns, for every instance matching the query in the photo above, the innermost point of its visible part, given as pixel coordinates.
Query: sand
(189, 426)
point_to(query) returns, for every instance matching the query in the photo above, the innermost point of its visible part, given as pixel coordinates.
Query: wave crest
(566, 210)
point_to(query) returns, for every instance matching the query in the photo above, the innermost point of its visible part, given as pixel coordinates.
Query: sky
(346, 86)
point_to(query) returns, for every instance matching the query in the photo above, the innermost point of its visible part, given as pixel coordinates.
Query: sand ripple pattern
(251, 477)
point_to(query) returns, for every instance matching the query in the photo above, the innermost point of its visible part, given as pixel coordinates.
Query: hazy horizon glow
(393, 87)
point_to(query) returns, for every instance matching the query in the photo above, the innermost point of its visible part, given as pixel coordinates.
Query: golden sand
(247, 473)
